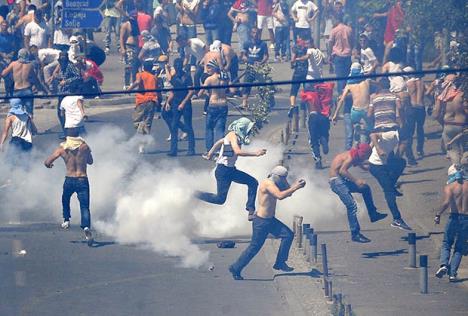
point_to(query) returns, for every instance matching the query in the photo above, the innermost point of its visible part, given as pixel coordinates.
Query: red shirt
(144, 24)
(265, 7)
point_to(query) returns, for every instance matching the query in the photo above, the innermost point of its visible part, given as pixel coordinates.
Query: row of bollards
(423, 263)
(307, 243)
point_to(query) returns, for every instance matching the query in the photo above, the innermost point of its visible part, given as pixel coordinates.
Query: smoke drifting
(150, 205)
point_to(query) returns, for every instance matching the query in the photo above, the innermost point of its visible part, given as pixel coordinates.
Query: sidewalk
(374, 277)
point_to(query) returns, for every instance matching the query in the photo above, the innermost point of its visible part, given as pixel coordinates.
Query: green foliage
(264, 99)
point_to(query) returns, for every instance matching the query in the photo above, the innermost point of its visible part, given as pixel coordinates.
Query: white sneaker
(193, 68)
(169, 138)
(65, 224)
(88, 235)
(272, 46)
(107, 50)
(183, 136)
(141, 149)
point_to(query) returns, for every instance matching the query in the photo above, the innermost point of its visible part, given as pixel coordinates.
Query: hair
(32, 7)
(147, 65)
(384, 83)
(4, 10)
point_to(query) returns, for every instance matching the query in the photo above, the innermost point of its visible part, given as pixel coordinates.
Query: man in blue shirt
(255, 51)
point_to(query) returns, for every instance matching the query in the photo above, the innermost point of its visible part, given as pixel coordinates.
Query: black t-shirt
(183, 81)
(301, 66)
(255, 51)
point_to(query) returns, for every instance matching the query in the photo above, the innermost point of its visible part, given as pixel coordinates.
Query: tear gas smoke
(152, 204)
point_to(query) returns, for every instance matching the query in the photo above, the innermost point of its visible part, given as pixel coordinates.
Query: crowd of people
(380, 117)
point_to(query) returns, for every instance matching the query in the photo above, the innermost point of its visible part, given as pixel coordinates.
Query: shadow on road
(95, 244)
(373, 255)
(405, 238)
(314, 273)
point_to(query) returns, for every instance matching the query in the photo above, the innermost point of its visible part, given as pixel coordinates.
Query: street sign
(81, 19)
(82, 4)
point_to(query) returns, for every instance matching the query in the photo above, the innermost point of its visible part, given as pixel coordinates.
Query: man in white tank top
(226, 172)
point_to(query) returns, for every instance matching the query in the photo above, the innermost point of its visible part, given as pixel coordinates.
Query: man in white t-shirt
(74, 112)
(316, 60)
(368, 60)
(303, 13)
(36, 32)
(193, 47)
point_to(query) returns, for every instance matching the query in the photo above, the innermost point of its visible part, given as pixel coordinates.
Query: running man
(77, 155)
(275, 187)
(456, 230)
(226, 171)
(343, 183)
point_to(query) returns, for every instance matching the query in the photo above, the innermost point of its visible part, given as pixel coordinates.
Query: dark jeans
(304, 34)
(282, 42)
(215, 124)
(191, 32)
(225, 31)
(342, 67)
(211, 35)
(297, 76)
(387, 176)
(416, 119)
(343, 188)
(19, 153)
(234, 69)
(28, 103)
(224, 177)
(80, 186)
(187, 115)
(261, 227)
(456, 232)
(319, 127)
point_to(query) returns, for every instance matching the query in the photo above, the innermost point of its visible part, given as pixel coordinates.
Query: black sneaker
(377, 217)
(412, 162)
(318, 165)
(442, 271)
(398, 193)
(360, 238)
(420, 154)
(399, 223)
(235, 274)
(453, 278)
(283, 267)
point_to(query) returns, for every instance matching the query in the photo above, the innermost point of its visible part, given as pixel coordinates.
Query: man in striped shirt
(384, 164)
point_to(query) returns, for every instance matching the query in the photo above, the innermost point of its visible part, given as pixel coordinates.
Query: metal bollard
(307, 236)
(313, 243)
(324, 259)
(423, 286)
(325, 286)
(412, 250)
(311, 250)
(305, 227)
(299, 231)
(348, 310)
(330, 291)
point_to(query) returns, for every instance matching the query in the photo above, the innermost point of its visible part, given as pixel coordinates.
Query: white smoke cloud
(136, 202)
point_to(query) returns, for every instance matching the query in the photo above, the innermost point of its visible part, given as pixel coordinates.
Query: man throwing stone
(76, 155)
(343, 183)
(275, 187)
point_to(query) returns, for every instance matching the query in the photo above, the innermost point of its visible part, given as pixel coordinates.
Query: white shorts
(262, 20)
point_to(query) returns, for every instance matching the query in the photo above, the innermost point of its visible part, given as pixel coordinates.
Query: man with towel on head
(343, 183)
(76, 155)
(226, 171)
(272, 189)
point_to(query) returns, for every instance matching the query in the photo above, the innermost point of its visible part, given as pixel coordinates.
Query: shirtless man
(343, 183)
(25, 77)
(275, 187)
(188, 10)
(416, 115)
(456, 230)
(76, 155)
(129, 33)
(450, 108)
(229, 60)
(239, 15)
(217, 110)
(360, 91)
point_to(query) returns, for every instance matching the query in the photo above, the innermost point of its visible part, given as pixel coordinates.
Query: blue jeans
(28, 103)
(416, 118)
(343, 188)
(348, 125)
(110, 24)
(187, 115)
(357, 116)
(282, 42)
(191, 32)
(319, 127)
(456, 232)
(224, 177)
(80, 186)
(342, 67)
(211, 35)
(387, 176)
(243, 33)
(215, 124)
(261, 227)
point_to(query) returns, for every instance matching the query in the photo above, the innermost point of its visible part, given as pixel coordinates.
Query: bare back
(22, 74)
(456, 197)
(416, 91)
(336, 164)
(360, 93)
(266, 201)
(77, 160)
(217, 96)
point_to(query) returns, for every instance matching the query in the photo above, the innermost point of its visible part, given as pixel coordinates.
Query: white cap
(216, 46)
(452, 170)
